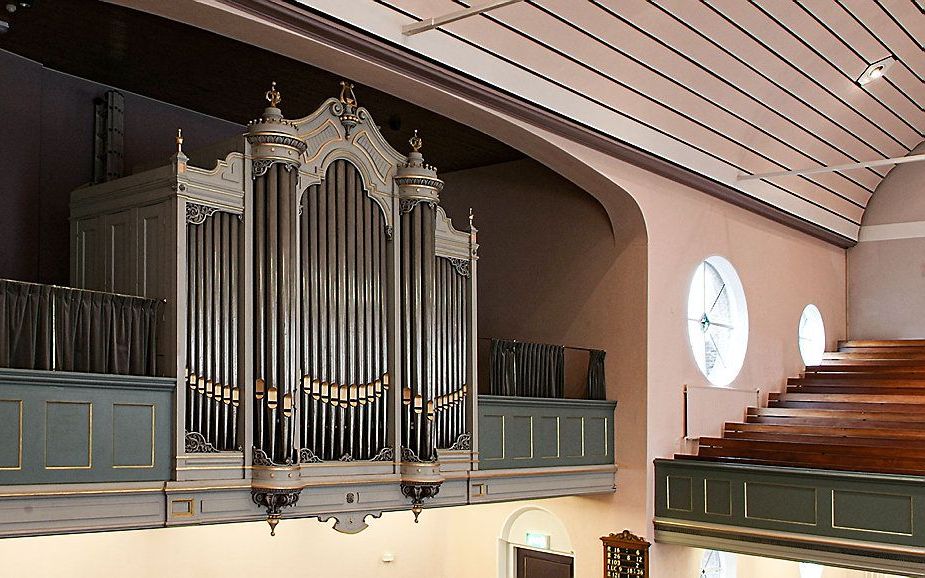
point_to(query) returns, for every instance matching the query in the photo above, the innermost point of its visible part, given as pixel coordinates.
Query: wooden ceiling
(721, 87)
(173, 62)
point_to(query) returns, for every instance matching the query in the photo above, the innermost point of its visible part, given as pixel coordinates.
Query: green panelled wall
(880, 508)
(62, 427)
(518, 432)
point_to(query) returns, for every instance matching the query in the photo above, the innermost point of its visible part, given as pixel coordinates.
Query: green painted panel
(10, 433)
(491, 437)
(780, 503)
(872, 512)
(680, 493)
(84, 427)
(573, 437)
(133, 433)
(856, 506)
(596, 442)
(718, 497)
(68, 435)
(517, 432)
(546, 440)
(518, 436)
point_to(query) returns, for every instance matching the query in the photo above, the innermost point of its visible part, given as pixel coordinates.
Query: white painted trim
(835, 168)
(892, 231)
(431, 23)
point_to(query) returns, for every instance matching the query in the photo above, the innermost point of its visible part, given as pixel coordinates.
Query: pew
(861, 409)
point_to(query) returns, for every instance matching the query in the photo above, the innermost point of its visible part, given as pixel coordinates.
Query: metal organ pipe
(212, 300)
(343, 266)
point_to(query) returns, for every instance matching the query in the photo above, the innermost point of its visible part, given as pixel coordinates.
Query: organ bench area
(315, 348)
(832, 470)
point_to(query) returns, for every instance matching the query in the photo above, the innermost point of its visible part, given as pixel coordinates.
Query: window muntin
(717, 319)
(811, 335)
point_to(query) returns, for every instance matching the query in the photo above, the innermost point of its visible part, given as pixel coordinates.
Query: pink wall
(886, 270)
(558, 266)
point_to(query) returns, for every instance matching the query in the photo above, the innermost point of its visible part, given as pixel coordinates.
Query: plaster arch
(530, 519)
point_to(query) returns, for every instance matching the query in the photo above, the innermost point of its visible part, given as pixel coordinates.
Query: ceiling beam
(834, 168)
(431, 23)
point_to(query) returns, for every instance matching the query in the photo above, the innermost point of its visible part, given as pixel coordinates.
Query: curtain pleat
(46, 327)
(526, 369)
(597, 385)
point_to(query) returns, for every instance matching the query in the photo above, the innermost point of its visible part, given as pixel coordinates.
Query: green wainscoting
(63, 427)
(779, 503)
(528, 432)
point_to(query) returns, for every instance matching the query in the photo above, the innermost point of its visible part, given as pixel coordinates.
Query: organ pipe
(212, 302)
(343, 249)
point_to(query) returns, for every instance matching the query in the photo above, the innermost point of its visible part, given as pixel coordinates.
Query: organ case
(320, 305)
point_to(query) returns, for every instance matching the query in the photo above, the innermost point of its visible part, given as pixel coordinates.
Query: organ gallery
(303, 342)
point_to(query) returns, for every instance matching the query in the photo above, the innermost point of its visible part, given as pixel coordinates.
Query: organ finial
(274, 96)
(416, 142)
(346, 93)
(179, 140)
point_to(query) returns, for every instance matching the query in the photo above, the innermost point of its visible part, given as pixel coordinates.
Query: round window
(811, 335)
(717, 320)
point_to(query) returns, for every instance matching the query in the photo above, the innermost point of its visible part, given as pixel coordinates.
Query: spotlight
(875, 71)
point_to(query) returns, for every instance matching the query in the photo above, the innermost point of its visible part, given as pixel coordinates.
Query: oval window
(811, 336)
(717, 320)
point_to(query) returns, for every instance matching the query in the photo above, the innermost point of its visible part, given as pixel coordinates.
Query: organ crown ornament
(417, 181)
(273, 138)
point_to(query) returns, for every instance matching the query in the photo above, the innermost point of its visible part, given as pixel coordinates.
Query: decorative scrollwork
(261, 166)
(274, 500)
(389, 232)
(386, 454)
(261, 458)
(196, 444)
(417, 492)
(196, 214)
(408, 205)
(461, 266)
(345, 458)
(463, 442)
(307, 456)
(408, 455)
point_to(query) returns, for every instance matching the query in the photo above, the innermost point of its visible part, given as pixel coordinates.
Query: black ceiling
(192, 68)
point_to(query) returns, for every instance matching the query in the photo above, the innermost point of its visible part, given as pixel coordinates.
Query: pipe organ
(320, 305)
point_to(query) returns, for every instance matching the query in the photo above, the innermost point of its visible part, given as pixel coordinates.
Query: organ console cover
(320, 306)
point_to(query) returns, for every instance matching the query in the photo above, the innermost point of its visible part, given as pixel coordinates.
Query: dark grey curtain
(502, 379)
(46, 327)
(527, 369)
(25, 325)
(597, 385)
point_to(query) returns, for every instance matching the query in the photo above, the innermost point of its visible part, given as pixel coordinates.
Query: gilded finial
(346, 93)
(416, 142)
(274, 96)
(179, 140)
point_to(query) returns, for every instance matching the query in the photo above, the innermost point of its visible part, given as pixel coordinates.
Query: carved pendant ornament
(274, 501)
(417, 492)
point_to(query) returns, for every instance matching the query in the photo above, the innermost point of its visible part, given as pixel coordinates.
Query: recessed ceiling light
(876, 70)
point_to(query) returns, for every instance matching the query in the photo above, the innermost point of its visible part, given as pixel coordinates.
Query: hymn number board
(625, 556)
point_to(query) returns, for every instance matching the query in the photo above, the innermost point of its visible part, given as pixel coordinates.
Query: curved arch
(349, 156)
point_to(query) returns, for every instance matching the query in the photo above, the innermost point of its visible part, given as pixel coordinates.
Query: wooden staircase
(861, 409)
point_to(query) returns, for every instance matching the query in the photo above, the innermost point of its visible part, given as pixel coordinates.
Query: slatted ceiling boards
(720, 87)
(861, 410)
